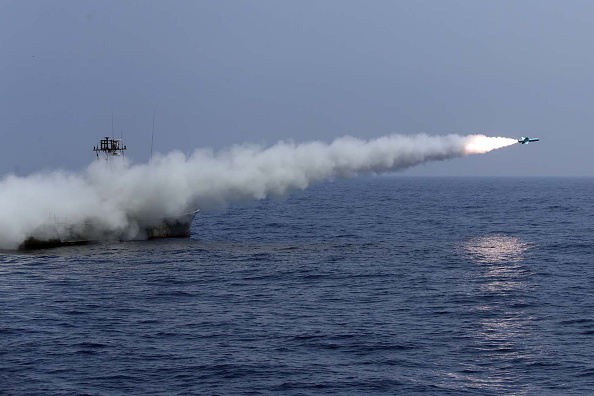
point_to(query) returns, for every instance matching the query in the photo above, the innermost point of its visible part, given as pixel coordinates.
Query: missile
(525, 140)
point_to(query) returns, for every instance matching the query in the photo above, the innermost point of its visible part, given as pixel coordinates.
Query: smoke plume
(115, 197)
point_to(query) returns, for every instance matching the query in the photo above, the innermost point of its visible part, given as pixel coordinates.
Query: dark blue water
(369, 286)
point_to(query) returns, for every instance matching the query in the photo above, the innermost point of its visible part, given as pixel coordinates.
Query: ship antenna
(153, 134)
(112, 133)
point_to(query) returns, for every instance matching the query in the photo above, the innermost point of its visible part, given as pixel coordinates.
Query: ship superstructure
(110, 148)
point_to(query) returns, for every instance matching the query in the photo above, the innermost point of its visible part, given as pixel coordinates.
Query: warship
(61, 233)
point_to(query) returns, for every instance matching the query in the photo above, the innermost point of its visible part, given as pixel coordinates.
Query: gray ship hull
(56, 235)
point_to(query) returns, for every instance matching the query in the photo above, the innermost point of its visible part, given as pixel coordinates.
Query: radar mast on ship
(110, 148)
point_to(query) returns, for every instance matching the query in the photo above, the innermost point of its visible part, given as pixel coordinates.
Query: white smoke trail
(112, 198)
(479, 144)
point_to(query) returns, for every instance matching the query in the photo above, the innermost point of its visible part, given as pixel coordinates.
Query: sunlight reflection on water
(495, 249)
(499, 340)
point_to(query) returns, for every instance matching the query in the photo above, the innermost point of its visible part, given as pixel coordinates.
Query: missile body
(525, 140)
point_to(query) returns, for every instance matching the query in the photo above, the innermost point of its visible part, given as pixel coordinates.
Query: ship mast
(110, 148)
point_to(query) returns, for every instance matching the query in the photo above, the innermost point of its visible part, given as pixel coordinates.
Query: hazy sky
(224, 72)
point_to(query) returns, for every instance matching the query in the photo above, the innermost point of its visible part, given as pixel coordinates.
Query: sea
(383, 285)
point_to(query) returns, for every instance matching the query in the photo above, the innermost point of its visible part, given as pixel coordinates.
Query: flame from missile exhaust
(480, 144)
(116, 198)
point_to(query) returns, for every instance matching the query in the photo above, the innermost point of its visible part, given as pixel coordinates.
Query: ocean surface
(377, 285)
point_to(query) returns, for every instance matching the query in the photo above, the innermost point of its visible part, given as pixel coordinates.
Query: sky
(221, 72)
